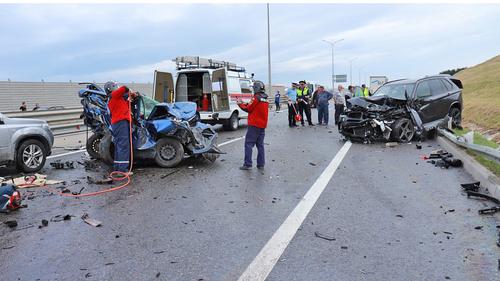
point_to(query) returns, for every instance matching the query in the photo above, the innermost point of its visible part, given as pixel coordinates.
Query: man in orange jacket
(118, 105)
(258, 110)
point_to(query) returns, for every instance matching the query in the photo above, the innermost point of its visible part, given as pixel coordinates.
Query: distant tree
(452, 71)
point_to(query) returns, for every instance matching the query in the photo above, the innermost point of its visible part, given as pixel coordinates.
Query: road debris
(443, 158)
(105, 180)
(325, 237)
(92, 222)
(479, 227)
(419, 146)
(11, 223)
(391, 144)
(62, 165)
(169, 174)
(312, 164)
(35, 180)
(474, 186)
(45, 223)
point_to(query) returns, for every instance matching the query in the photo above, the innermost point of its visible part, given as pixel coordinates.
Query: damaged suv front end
(403, 109)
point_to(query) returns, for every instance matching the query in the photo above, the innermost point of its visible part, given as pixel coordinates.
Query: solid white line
(265, 261)
(64, 154)
(231, 141)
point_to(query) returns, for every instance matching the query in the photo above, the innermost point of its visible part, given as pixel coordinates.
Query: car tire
(403, 130)
(107, 149)
(232, 123)
(31, 156)
(456, 116)
(169, 152)
(93, 144)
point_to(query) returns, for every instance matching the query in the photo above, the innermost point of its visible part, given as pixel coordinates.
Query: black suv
(401, 108)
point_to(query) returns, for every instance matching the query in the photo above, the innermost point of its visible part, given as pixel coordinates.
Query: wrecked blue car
(165, 132)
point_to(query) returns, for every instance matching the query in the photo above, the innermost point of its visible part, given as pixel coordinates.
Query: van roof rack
(188, 62)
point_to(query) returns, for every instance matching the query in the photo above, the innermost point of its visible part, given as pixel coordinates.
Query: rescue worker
(366, 91)
(119, 109)
(303, 102)
(292, 105)
(323, 102)
(258, 109)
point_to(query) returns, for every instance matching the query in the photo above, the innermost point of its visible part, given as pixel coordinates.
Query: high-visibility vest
(300, 92)
(366, 92)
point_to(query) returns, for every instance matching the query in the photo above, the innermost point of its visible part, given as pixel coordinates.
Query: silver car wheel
(32, 156)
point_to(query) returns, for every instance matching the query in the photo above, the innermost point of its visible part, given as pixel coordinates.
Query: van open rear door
(220, 96)
(163, 90)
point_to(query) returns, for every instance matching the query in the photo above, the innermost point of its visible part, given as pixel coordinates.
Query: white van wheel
(232, 123)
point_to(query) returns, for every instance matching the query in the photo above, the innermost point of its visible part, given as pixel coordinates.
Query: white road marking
(64, 154)
(231, 141)
(83, 150)
(265, 261)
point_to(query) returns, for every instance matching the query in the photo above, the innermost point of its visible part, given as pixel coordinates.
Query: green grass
(481, 95)
(459, 132)
(491, 165)
(481, 140)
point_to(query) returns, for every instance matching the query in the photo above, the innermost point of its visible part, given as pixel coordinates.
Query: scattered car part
(90, 221)
(322, 236)
(489, 211)
(63, 165)
(11, 223)
(482, 195)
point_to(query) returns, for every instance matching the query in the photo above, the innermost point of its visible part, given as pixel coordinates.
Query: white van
(215, 86)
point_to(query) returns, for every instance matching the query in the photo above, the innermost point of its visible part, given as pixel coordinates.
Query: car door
(423, 101)
(220, 96)
(5, 139)
(163, 90)
(440, 98)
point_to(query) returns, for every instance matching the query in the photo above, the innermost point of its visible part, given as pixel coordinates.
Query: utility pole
(333, 61)
(350, 69)
(269, 52)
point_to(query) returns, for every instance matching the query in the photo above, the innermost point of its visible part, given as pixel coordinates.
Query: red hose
(112, 175)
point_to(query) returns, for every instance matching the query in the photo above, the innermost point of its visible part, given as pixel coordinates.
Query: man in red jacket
(118, 105)
(258, 109)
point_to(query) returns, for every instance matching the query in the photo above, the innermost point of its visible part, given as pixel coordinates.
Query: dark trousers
(278, 107)
(291, 114)
(323, 113)
(255, 137)
(305, 108)
(121, 139)
(339, 109)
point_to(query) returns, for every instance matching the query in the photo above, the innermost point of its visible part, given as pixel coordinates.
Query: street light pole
(269, 51)
(350, 69)
(333, 60)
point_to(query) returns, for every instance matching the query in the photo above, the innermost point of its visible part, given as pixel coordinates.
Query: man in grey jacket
(323, 98)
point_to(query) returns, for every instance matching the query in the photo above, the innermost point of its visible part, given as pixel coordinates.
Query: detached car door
(220, 96)
(163, 90)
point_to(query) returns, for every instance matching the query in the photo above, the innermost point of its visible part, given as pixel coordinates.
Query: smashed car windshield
(147, 106)
(396, 91)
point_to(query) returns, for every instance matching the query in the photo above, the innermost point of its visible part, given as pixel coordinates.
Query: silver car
(25, 143)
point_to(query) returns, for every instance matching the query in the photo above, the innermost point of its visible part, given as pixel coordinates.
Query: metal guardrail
(61, 122)
(491, 152)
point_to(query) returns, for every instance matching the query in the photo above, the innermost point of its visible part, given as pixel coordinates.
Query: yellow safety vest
(366, 92)
(299, 91)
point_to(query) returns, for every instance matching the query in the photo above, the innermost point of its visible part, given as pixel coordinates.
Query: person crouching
(258, 110)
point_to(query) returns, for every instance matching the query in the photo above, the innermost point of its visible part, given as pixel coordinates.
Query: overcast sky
(128, 42)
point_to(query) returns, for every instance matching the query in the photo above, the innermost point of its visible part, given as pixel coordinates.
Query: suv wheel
(403, 130)
(93, 146)
(31, 156)
(456, 116)
(232, 123)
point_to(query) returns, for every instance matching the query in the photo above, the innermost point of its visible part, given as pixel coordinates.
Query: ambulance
(215, 86)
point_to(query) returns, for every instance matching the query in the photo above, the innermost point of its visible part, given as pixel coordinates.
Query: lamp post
(333, 60)
(350, 69)
(269, 51)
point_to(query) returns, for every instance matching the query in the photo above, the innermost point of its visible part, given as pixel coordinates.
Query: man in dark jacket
(258, 110)
(323, 98)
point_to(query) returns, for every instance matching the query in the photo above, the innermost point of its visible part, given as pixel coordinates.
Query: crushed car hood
(375, 103)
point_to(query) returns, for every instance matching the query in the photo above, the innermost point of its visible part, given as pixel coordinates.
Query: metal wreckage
(398, 113)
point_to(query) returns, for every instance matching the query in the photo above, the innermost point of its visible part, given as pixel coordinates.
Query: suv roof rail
(437, 75)
(402, 79)
(189, 62)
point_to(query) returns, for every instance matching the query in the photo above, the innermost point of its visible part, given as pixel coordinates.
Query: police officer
(118, 105)
(304, 102)
(258, 109)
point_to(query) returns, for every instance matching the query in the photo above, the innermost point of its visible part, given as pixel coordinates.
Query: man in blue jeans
(258, 110)
(323, 99)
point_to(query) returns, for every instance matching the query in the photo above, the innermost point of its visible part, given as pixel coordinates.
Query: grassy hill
(481, 96)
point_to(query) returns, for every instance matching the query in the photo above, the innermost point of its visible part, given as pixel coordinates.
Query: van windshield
(395, 91)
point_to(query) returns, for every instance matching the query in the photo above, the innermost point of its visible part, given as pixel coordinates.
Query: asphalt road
(388, 211)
